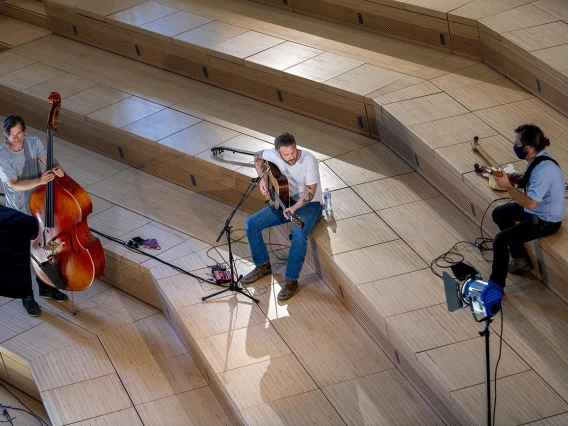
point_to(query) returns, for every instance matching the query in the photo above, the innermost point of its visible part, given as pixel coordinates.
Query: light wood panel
(537, 37)
(16, 32)
(99, 10)
(262, 382)
(380, 399)
(28, 76)
(424, 109)
(530, 399)
(425, 329)
(15, 319)
(556, 8)
(461, 365)
(475, 74)
(525, 16)
(487, 95)
(367, 164)
(361, 81)
(171, 25)
(280, 57)
(139, 15)
(192, 408)
(321, 68)
(432, 235)
(198, 138)
(310, 407)
(303, 324)
(124, 112)
(84, 361)
(11, 62)
(66, 85)
(380, 261)
(395, 191)
(245, 346)
(84, 400)
(126, 417)
(395, 295)
(421, 89)
(451, 131)
(207, 35)
(158, 126)
(237, 48)
(47, 337)
(470, 13)
(353, 233)
(203, 320)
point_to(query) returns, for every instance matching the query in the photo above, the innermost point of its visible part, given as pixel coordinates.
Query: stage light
(484, 298)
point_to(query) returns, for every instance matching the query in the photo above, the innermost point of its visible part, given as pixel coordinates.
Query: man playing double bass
(21, 175)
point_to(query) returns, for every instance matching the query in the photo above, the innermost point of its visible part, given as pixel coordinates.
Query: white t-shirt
(305, 172)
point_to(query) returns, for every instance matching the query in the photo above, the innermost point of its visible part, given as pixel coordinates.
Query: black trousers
(512, 236)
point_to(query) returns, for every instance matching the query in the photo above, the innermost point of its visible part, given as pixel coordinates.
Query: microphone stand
(234, 284)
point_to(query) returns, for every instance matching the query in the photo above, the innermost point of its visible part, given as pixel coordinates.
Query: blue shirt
(548, 187)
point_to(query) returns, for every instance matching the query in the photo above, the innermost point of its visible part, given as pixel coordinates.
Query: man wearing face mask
(539, 210)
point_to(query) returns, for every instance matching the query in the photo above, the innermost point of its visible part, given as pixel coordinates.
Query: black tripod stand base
(235, 289)
(233, 286)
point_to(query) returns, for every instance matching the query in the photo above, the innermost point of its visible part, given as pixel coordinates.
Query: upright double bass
(65, 254)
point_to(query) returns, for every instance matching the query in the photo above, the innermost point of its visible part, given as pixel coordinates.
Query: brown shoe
(521, 264)
(288, 290)
(257, 273)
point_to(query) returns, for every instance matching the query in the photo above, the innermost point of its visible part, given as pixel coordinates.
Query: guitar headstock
(216, 150)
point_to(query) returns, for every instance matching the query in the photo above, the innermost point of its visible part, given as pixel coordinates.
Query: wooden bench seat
(15, 32)
(525, 41)
(30, 11)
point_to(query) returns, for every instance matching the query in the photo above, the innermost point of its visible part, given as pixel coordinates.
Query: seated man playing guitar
(539, 209)
(302, 170)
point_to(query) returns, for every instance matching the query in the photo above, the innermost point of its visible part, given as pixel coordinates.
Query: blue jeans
(269, 217)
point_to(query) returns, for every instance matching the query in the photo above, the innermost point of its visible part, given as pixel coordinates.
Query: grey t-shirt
(24, 165)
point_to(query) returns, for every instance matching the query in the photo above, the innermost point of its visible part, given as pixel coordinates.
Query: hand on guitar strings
(502, 180)
(263, 187)
(289, 212)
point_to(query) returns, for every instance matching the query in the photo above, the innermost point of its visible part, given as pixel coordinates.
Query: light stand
(485, 333)
(483, 298)
(234, 284)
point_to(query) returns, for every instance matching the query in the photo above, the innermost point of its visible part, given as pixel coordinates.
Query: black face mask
(519, 150)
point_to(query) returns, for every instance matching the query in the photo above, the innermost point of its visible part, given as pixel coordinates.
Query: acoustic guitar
(278, 186)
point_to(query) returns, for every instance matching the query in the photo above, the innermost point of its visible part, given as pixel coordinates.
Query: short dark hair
(531, 135)
(285, 139)
(12, 121)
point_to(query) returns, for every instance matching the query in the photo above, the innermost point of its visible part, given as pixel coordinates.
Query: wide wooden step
(30, 11)
(388, 222)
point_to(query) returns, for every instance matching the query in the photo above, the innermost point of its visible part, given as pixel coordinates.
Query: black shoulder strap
(532, 165)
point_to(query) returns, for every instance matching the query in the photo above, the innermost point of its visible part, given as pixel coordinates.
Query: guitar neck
(220, 149)
(487, 157)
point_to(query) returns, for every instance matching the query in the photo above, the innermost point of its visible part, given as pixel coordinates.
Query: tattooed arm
(306, 199)
(259, 164)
